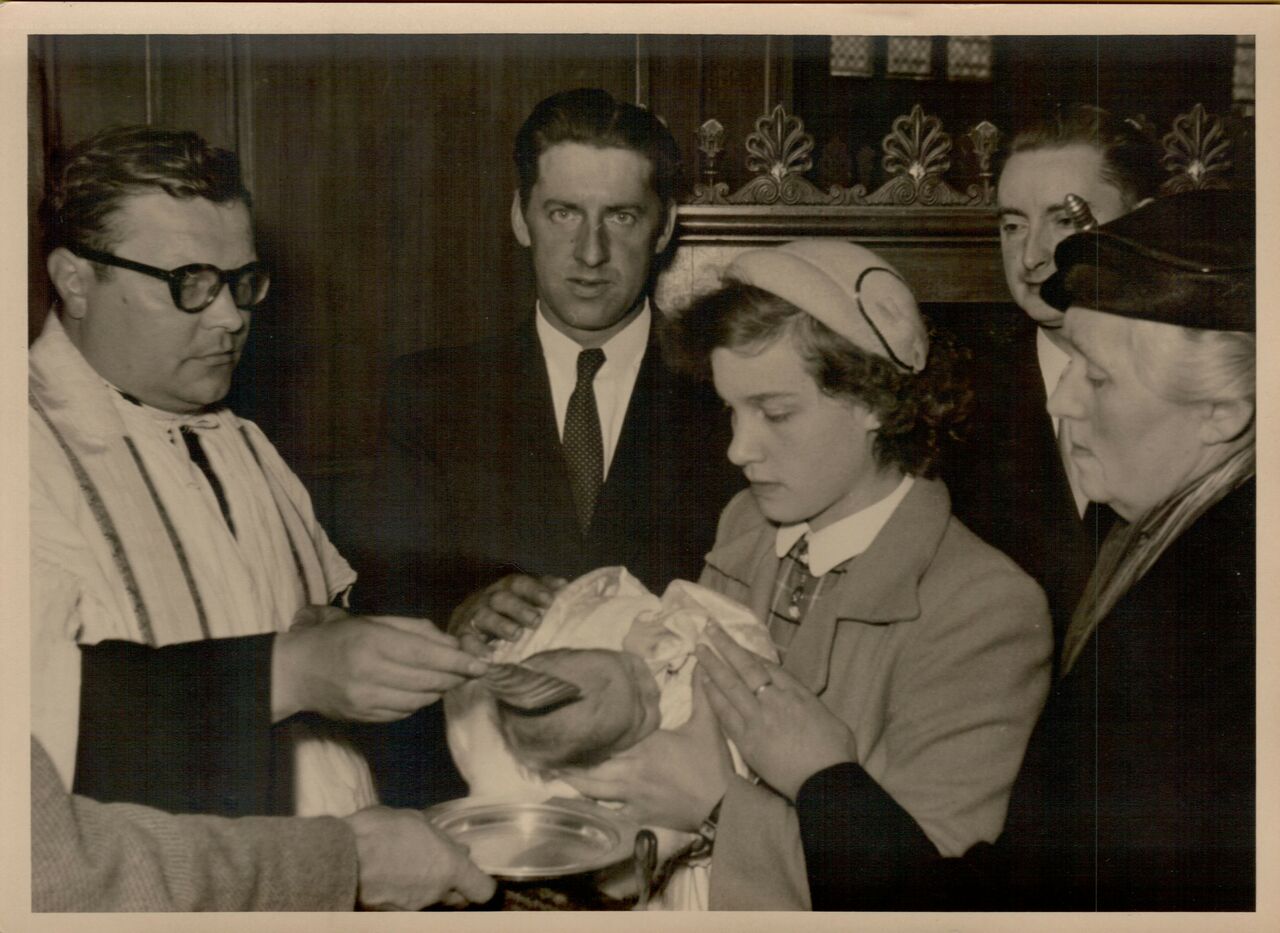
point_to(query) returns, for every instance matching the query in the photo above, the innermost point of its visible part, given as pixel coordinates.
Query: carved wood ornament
(916, 154)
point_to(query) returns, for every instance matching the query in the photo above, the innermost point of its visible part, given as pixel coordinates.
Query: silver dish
(520, 841)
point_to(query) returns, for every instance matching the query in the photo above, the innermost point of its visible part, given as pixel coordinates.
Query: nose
(743, 449)
(222, 312)
(1065, 400)
(1037, 249)
(591, 248)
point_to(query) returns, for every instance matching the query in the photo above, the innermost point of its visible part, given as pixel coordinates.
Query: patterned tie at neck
(583, 442)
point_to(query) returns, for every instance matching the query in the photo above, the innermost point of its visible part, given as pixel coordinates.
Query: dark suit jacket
(475, 486)
(1137, 791)
(1007, 481)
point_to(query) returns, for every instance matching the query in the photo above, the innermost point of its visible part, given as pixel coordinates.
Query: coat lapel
(880, 586)
(749, 560)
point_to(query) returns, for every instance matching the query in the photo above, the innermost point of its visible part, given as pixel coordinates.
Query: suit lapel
(543, 476)
(632, 471)
(1054, 491)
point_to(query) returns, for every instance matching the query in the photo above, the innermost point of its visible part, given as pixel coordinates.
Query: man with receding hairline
(1011, 483)
(190, 651)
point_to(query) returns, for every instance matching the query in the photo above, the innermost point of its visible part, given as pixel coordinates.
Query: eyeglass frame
(174, 277)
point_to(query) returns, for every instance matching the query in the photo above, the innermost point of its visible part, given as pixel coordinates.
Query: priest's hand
(363, 668)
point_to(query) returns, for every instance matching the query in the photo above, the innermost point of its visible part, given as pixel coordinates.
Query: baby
(631, 653)
(619, 706)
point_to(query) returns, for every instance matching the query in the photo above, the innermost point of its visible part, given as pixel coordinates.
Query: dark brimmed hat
(1186, 259)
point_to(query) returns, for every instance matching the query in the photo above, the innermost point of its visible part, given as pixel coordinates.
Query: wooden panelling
(675, 65)
(1155, 76)
(945, 254)
(92, 82)
(83, 83)
(191, 86)
(733, 90)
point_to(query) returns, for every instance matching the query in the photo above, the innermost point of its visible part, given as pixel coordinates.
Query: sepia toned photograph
(704, 467)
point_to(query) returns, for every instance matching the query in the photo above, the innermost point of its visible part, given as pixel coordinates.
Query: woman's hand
(671, 778)
(784, 732)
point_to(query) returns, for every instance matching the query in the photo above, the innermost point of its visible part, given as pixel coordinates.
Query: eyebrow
(761, 397)
(560, 202)
(1001, 210)
(1085, 351)
(1092, 359)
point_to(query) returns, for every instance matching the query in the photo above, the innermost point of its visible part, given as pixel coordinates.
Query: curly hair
(89, 182)
(920, 414)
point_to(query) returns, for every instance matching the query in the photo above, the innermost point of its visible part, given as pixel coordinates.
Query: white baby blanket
(609, 609)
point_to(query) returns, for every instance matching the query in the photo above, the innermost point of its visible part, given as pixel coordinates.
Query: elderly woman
(929, 644)
(1137, 791)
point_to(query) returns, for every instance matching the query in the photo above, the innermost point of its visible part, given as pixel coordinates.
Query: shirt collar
(1053, 362)
(166, 419)
(621, 351)
(845, 539)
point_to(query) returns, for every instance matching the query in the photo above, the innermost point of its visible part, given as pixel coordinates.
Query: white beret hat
(848, 288)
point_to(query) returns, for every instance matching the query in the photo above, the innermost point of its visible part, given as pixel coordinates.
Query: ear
(668, 229)
(73, 278)
(1224, 422)
(870, 420)
(518, 226)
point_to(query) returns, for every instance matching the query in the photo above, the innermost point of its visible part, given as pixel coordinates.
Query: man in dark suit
(1010, 482)
(532, 457)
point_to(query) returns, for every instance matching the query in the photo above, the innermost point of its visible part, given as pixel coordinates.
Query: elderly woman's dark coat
(1137, 791)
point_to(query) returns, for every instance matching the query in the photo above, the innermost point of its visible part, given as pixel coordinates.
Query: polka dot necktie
(583, 444)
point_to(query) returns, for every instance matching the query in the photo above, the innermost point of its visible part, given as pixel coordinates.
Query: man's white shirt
(614, 382)
(1053, 363)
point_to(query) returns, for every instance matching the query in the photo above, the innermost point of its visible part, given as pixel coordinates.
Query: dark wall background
(381, 170)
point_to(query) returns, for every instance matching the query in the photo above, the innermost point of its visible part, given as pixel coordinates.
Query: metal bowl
(520, 841)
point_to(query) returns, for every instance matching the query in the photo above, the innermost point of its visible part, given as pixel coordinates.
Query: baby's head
(618, 708)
